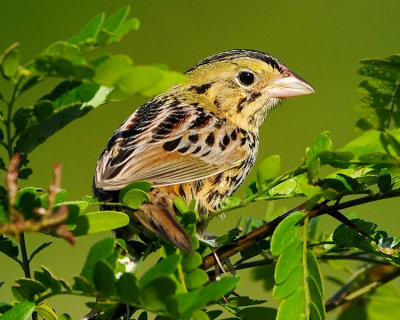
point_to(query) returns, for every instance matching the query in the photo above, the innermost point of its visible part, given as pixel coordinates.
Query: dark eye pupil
(246, 78)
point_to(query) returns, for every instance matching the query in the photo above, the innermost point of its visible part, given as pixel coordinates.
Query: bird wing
(167, 142)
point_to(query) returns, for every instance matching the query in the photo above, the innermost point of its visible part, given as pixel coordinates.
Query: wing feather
(137, 150)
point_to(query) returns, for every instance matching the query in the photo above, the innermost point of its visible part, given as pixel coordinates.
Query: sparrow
(198, 140)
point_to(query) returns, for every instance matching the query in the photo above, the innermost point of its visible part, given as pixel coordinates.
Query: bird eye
(246, 78)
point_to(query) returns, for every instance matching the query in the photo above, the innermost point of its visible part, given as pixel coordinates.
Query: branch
(268, 229)
(384, 275)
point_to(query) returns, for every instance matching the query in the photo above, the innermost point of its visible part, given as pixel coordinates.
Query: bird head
(243, 85)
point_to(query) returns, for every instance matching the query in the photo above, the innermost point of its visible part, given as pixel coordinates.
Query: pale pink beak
(288, 85)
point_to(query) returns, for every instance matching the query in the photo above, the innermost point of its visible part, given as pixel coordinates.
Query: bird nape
(198, 140)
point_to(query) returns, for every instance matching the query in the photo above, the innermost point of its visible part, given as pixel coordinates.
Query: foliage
(285, 253)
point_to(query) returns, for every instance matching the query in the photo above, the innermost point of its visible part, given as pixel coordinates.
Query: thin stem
(25, 260)
(52, 294)
(181, 275)
(344, 296)
(267, 230)
(255, 196)
(10, 106)
(353, 257)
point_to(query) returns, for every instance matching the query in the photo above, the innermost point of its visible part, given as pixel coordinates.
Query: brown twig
(267, 230)
(376, 276)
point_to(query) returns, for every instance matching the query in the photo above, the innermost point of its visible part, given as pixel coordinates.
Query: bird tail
(159, 217)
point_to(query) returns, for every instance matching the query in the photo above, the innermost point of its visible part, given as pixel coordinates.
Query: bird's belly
(209, 192)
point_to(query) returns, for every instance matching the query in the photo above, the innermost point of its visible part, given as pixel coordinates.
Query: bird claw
(209, 240)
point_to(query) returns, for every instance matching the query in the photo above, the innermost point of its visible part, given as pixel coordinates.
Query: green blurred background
(320, 40)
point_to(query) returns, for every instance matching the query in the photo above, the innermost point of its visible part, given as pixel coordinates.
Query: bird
(198, 140)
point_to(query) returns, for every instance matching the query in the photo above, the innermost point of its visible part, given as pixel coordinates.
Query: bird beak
(288, 85)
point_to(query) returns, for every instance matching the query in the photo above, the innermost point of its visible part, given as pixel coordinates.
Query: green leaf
(21, 311)
(229, 201)
(29, 82)
(376, 158)
(189, 302)
(48, 279)
(155, 295)
(369, 142)
(61, 196)
(137, 79)
(24, 173)
(65, 316)
(127, 288)
(290, 285)
(123, 28)
(21, 119)
(316, 296)
(134, 198)
(268, 170)
(143, 316)
(83, 285)
(90, 31)
(292, 307)
(384, 180)
(180, 204)
(313, 168)
(383, 303)
(214, 314)
(380, 68)
(347, 237)
(286, 232)
(116, 19)
(228, 237)
(94, 222)
(61, 49)
(200, 315)
(355, 312)
(196, 279)
(163, 268)
(89, 199)
(256, 313)
(104, 279)
(394, 142)
(9, 61)
(38, 133)
(321, 143)
(314, 312)
(168, 79)
(99, 251)
(314, 271)
(111, 69)
(27, 289)
(75, 208)
(143, 185)
(288, 261)
(62, 59)
(265, 274)
(337, 159)
(46, 312)
(9, 247)
(349, 183)
(43, 109)
(70, 93)
(244, 301)
(191, 261)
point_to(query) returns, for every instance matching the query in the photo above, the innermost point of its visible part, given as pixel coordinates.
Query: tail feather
(159, 217)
